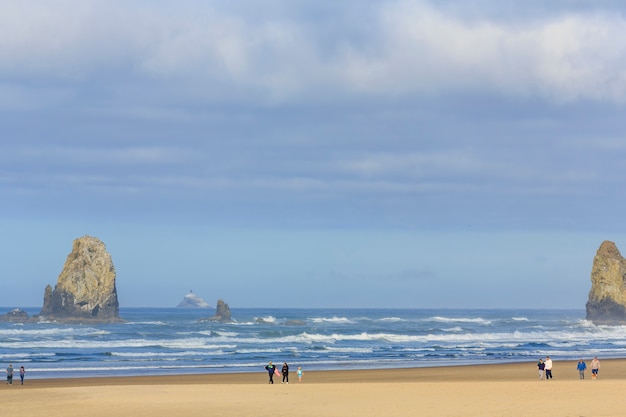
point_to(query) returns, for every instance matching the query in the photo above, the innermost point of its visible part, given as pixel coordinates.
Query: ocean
(175, 341)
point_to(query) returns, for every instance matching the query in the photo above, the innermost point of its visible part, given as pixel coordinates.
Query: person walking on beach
(595, 367)
(299, 374)
(285, 372)
(270, 368)
(548, 368)
(22, 374)
(10, 374)
(541, 366)
(581, 368)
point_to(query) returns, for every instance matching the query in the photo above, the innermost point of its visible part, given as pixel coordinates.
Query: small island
(191, 300)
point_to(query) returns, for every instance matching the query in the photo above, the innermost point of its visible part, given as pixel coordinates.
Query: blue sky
(278, 153)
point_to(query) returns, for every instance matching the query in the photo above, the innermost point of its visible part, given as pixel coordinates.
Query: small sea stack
(191, 300)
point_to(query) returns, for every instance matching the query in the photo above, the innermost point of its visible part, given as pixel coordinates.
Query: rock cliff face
(85, 290)
(193, 301)
(607, 297)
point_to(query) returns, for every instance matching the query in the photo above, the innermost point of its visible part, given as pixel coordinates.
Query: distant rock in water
(193, 301)
(85, 290)
(607, 297)
(222, 313)
(15, 316)
(295, 323)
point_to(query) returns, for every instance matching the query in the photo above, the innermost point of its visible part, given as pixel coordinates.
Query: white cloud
(410, 48)
(564, 58)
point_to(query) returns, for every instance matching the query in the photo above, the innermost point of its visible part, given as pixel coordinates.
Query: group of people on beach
(545, 368)
(284, 372)
(10, 374)
(595, 368)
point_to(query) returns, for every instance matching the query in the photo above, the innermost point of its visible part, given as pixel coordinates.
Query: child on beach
(299, 374)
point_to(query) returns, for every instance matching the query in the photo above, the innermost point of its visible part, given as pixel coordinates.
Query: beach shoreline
(511, 389)
(169, 341)
(614, 368)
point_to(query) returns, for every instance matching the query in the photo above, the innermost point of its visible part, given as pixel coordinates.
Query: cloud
(201, 52)
(561, 58)
(94, 156)
(414, 164)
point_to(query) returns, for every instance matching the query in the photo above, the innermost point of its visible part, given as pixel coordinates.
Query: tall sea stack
(607, 297)
(85, 290)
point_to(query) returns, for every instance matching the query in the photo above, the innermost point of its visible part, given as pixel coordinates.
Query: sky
(280, 153)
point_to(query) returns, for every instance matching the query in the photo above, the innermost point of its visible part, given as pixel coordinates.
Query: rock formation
(222, 313)
(85, 290)
(193, 301)
(15, 316)
(607, 297)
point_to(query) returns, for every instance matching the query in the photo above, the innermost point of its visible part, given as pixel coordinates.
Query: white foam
(391, 319)
(339, 320)
(453, 329)
(53, 331)
(266, 319)
(166, 354)
(476, 320)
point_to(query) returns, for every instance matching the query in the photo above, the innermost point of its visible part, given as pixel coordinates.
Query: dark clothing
(286, 373)
(270, 370)
(9, 375)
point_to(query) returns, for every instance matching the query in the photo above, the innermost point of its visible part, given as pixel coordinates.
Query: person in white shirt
(548, 368)
(595, 367)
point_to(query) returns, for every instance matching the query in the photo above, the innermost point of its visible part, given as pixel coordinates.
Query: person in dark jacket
(270, 368)
(285, 371)
(541, 366)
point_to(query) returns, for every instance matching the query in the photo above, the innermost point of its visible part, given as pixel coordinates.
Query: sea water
(168, 341)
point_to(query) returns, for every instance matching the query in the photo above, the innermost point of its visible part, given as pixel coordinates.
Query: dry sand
(489, 390)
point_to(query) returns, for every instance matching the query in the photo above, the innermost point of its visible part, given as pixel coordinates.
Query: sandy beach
(489, 390)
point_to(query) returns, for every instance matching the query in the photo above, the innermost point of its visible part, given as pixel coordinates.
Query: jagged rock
(222, 313)
(193, 301)
(15, 316)
(85, 290)
(607, 297)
